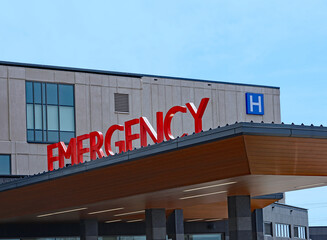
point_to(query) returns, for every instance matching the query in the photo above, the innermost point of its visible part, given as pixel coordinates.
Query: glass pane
(29, 116)
(66, 95)
(67, 120)
(38, 116)
(29, 92)
(30, 135)
(5, 165)
(52, 96)
(38, 136)
(37, 92)
(268, 229)
(66, 136)
(43, 93)
(44, 136)
(53, 136)
(206, 237)
(44, 117)
(52, 114)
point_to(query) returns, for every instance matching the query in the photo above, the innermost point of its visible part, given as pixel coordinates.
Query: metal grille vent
(121, 103)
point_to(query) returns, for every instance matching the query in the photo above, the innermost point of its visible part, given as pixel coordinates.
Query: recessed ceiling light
(136, 220)
(61, 212)
(108, 210)
(129, 213)
(211, 186)
(202, 195)
(214, 219)
(112, 221)
(194, 220)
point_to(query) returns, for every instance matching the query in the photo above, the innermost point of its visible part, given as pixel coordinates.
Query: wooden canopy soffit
(195, 173)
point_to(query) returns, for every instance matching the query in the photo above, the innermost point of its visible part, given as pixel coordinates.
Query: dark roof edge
(289, 206)
(122, 74)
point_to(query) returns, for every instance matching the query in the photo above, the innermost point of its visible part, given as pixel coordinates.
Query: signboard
(75, 149)
(254, 103)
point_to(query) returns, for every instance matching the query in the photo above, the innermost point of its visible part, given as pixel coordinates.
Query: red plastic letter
(51, 158)
(146, 127)
(169, 116)
(69, 152)
(129, 137)
(107, 141)
(95, 147)
(121, 146)
(80, 149)
(198, 113)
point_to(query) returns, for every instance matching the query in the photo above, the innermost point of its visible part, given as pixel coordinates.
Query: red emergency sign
(75, 149)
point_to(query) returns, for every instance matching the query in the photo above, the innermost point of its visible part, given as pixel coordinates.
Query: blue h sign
(254, 103)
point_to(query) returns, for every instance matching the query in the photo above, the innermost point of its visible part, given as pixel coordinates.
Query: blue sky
(279, 43)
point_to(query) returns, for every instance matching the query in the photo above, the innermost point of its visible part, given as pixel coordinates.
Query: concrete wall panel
(35, 74)
(81, 109)
(17, 110)
(231, 107)
(221, 108)
(124, 82)
(64, 77)
(5, 147)
(16, 72)
(154, 105)
(96, 110)
(22, 165)
(269, 108)
(3, 71)
(81, 78)
(146, 100)
(277, 114)
(4, 109)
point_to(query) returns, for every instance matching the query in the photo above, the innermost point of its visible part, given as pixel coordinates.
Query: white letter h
(255, 103)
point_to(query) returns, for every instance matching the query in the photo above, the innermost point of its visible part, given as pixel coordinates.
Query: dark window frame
(270, 226)
(44, 112)
(296, 232)
(10, 165)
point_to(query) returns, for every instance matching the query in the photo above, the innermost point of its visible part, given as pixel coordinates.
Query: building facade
(41, 105)
(318, 233)
(280, 221)
(217, 184)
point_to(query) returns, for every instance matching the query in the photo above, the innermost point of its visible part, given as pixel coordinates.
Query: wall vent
(121, 103)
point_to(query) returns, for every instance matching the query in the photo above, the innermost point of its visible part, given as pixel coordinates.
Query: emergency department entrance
(206, 183)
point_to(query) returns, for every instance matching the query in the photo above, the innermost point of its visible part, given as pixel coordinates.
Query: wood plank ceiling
(197, 179)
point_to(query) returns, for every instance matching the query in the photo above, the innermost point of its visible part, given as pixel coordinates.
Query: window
(204, 237)
(5, 165)
(268, 228)
(50, 112)
(300, 232)
(121, 103)
(282, 230)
